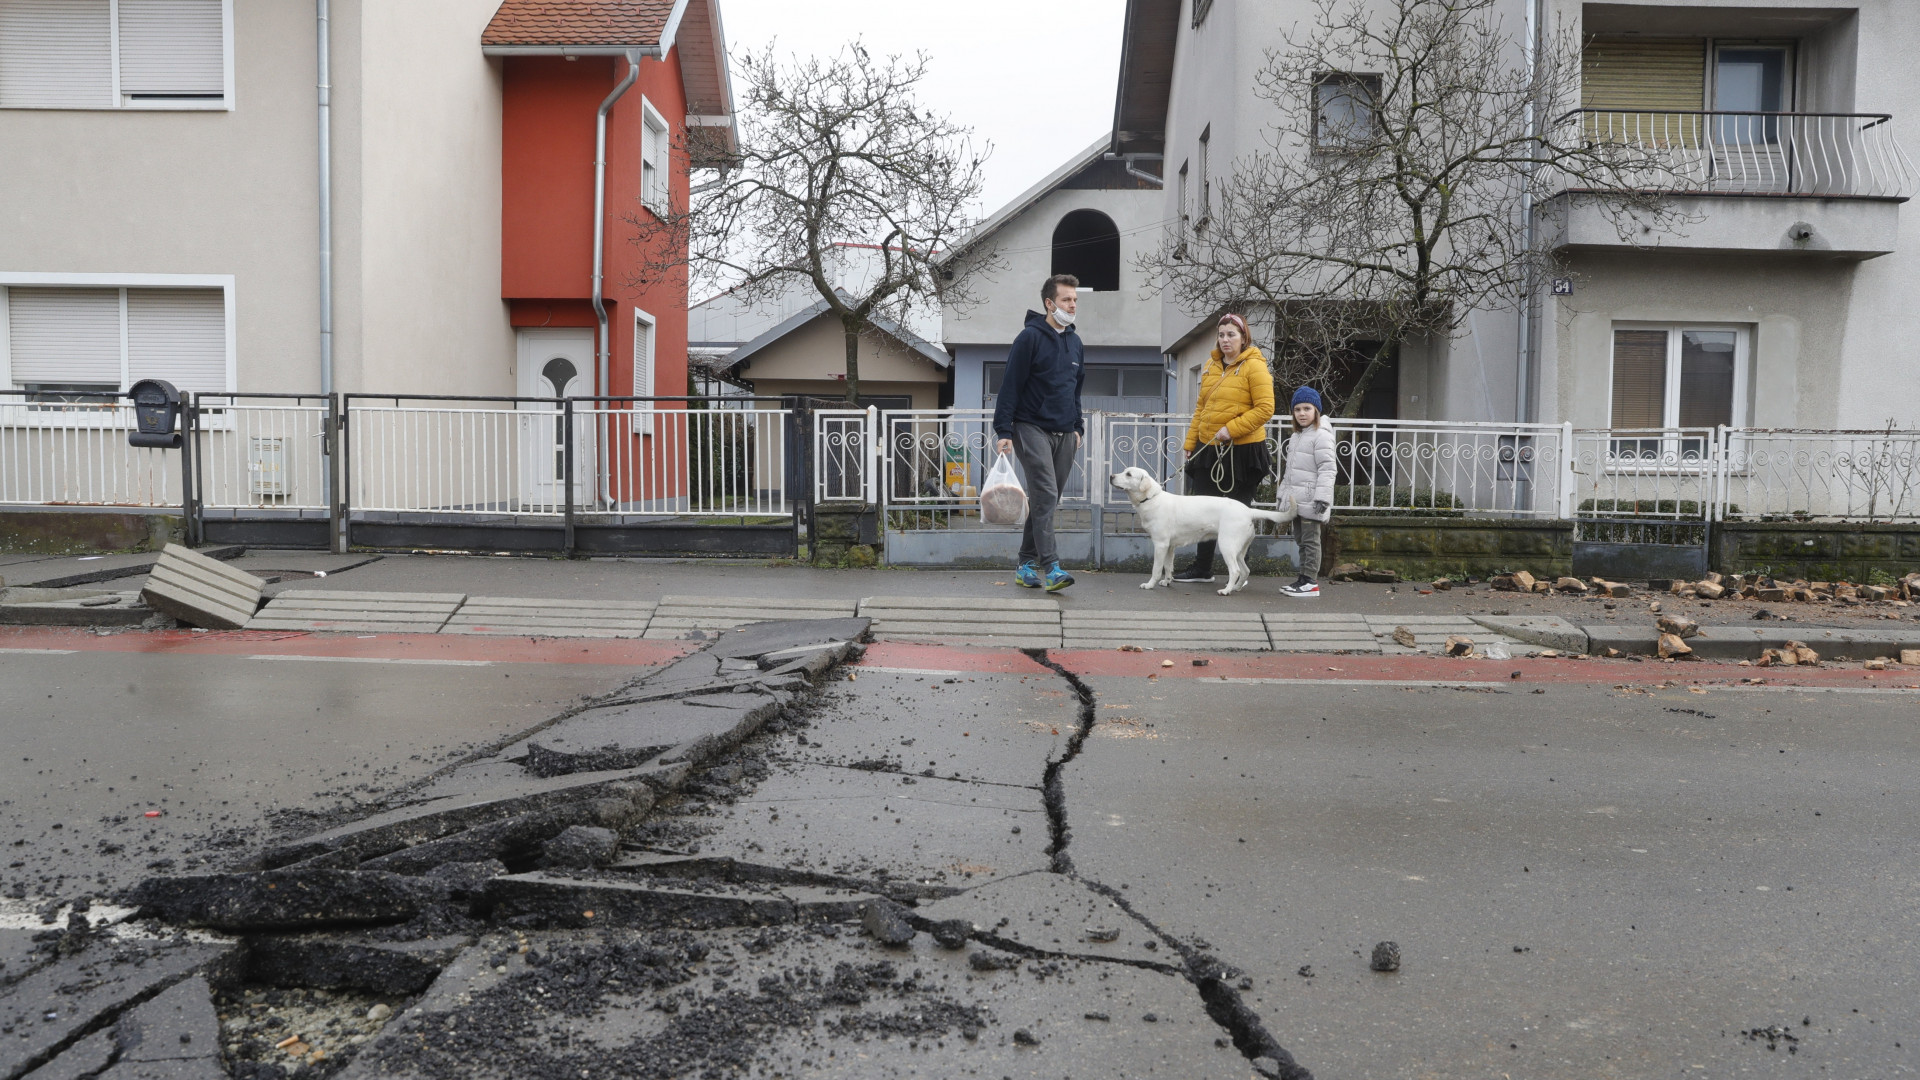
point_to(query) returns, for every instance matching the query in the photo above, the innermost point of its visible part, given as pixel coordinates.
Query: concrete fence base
(1422, 548)
(27, 530)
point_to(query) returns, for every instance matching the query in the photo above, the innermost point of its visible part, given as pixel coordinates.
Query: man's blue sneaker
(1028, 576)
(1057, 578)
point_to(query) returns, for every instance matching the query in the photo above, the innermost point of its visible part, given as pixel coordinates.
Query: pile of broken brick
(525, 838)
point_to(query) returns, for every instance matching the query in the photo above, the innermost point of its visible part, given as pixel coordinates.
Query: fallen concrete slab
(357, 961)
(54, 1007)
(200, 591)
(281, 899)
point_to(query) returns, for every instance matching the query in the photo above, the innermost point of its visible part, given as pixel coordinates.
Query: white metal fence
(1755, 153)
(70, 449)
(603, 460)
(1838, 475)
(619, 460)
(260, 453)
(846, 455)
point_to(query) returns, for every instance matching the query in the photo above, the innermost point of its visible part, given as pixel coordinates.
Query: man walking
(1038, 421)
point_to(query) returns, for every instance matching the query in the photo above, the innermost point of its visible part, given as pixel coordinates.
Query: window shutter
(643, 373)
(1666, 74)
(179, 335)
(171, 48)
(1639, 379)
(56, 54)
(64, 336)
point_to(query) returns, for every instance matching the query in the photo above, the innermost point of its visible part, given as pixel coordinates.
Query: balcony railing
(1753, 153)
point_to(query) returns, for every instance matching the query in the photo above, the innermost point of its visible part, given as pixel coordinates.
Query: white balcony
(1822, 184)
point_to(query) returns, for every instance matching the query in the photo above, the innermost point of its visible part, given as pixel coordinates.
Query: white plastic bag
(1002, 500)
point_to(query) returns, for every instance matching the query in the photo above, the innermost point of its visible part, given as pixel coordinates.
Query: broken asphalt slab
(59, 1004)
(360, 961)
(282, 899)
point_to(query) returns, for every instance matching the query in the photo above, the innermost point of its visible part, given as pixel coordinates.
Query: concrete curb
(1748, 642)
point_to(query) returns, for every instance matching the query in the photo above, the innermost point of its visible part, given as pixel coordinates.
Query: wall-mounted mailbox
(156, 415)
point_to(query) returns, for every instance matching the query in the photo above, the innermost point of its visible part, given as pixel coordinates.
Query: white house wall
(1832, 339)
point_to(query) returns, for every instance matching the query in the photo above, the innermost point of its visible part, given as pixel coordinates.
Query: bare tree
(1391, 197)
(833, 152)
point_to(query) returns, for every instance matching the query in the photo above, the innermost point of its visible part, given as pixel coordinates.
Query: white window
(114, 54)
(643, 325)
(655, 150)
(1345, 113)
(1676, 377)
(63, 337)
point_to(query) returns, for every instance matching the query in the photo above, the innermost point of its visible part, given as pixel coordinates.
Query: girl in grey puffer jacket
(1308, 482)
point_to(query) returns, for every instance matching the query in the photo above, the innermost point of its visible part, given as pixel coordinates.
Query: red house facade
(598, 97)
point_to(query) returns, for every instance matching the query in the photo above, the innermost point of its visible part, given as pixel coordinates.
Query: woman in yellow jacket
(1227, 440)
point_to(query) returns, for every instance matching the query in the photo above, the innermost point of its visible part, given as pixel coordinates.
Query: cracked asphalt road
(1584, 881)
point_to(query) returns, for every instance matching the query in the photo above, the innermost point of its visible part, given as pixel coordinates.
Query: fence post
(1568, 451)
(1096, 489)
(189, 509)
(870, 463)
(566, 474)
(340, 469)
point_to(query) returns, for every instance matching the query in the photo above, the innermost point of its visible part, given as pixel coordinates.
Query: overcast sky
(1034, 79)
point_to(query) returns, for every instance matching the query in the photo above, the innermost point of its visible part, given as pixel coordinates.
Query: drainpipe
(604, 360)
(1127, 161)
(1523, 383)
(324, 81)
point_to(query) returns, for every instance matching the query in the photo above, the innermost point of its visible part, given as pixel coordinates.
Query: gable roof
(1025, 200)
(806, 315)
(625, 24)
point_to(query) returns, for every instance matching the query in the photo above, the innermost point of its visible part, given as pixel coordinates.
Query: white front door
(554, 363)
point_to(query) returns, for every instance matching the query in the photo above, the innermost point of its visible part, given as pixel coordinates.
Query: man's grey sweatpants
(1047, 459)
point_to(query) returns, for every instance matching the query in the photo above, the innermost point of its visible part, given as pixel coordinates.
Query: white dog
(1172, 520)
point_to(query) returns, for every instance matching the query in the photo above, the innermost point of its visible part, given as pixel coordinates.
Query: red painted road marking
(392, 647)
(1344, 667)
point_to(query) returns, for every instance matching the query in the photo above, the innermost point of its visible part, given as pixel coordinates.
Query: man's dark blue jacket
(1041, 386)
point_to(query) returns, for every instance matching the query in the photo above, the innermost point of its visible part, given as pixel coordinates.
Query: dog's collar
(1151, 497)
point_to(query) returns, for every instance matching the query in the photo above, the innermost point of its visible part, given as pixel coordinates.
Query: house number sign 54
(1563, 286)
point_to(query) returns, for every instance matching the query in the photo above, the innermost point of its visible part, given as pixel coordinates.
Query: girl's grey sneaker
(1304, 588)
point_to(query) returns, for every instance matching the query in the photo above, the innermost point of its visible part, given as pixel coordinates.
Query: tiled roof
(577, 22)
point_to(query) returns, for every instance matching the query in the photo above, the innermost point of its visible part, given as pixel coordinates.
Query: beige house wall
(807, 360)
(429, 221)
(137, 191)
(416, 197)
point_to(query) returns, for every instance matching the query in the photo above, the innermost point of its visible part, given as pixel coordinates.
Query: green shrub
(1376, 499)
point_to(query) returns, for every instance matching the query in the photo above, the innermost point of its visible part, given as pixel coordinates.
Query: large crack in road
(1209, 976)
(568, 922)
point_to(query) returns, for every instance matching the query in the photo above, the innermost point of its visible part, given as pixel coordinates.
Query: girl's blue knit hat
(1308, 395)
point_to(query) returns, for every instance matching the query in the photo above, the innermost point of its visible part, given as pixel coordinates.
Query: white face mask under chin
(1063, 317)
